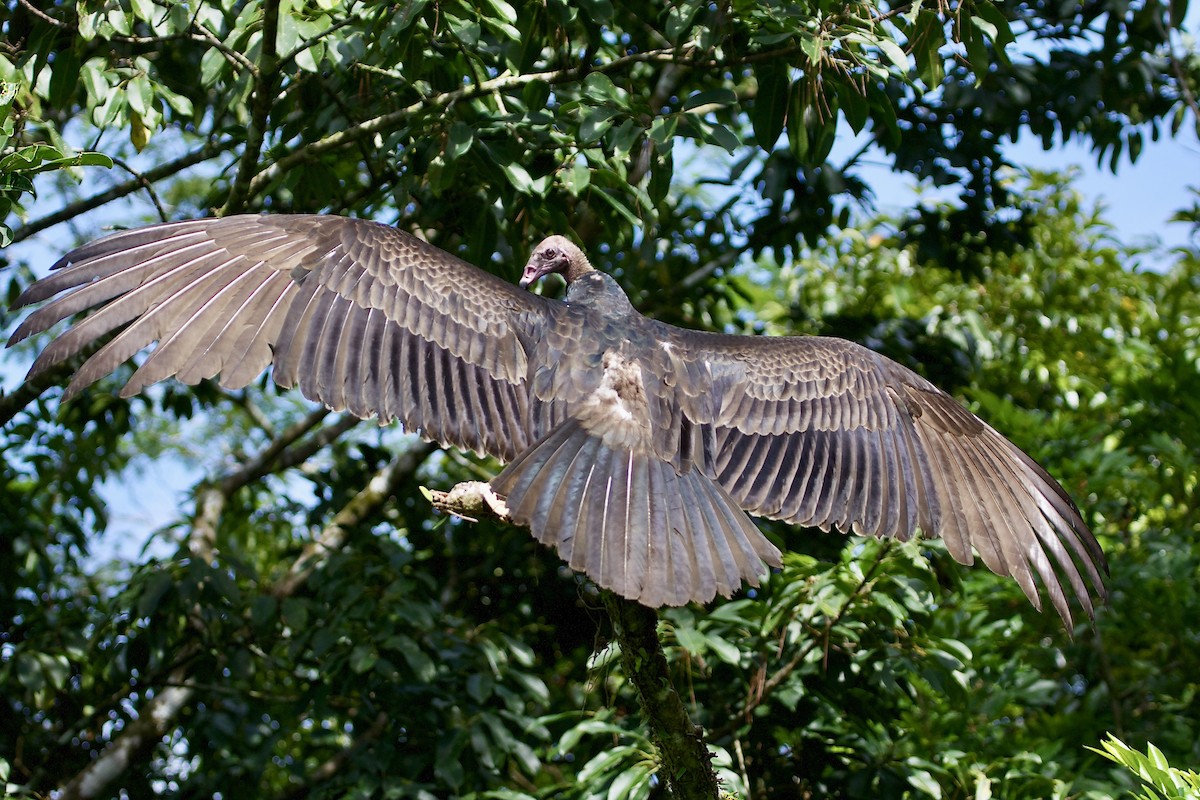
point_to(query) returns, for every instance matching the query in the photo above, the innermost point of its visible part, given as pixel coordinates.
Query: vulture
(633, 447)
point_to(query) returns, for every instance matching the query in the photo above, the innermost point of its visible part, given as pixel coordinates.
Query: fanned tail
(631, 523)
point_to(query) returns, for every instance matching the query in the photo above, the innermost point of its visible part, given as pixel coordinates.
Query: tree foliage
(306, 626)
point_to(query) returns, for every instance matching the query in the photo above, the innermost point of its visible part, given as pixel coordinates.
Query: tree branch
(43, 16)
(137, 738)
(15, 401)
(258, 466)
(500, 83)
(209, 150)
(159, 714)
(265, 81)
(368, 501)
(145, 184)
(770, 684)
(686, 763)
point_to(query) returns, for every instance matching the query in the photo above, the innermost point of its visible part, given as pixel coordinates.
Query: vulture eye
(550, 252)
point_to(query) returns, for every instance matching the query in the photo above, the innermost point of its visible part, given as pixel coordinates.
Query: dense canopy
(239, 592)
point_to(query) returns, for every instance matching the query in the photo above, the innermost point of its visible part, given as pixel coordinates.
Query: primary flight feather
(633, 447)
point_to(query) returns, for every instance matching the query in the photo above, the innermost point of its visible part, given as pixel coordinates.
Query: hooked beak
(535, 270)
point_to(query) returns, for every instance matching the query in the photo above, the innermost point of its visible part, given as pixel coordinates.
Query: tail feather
(630, 522)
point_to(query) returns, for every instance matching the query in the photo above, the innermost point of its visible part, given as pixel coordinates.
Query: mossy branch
(683, 755)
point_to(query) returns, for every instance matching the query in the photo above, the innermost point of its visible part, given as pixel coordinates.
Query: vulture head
(555, 254)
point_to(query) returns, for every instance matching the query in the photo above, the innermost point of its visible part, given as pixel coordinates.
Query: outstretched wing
(823, 432)
(361, 316)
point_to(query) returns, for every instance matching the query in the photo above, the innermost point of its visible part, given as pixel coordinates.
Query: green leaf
(893, 51)
(998, 28)
(853, 104)
(598, 86)
(362, 658)
(86, 25)
(143, 9)
(723, 137)
(690, 639)
(631, 784)
(977, 51)
(420, 663)
(120, 21)
(64, 78)
(597, 121)
(617, 206)
(710, 97)
(459, 141)
(181, 104)
(811, 46)
(140, 95)
(212, 66)
(94, 81)
(519, 177)
(90, 159)
(625, 138)
(503, 10)
(1178, 13)
(925, 783)
(662, 130)
(927, 37)
(536, 94)
(680, 19)
(576, 178)
(309, 59)
(724, 650)
(769, 112)
(479, 686)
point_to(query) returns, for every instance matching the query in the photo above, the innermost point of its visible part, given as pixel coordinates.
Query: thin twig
(265, 80)
(149, 187)
(209, 38)
(43, 16)
(208, 151)
(254, 468)
(770, 684)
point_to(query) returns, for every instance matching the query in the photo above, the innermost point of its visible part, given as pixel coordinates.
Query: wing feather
(363, 317)
(822, 432)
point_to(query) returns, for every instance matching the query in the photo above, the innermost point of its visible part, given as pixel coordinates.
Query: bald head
(555, 254)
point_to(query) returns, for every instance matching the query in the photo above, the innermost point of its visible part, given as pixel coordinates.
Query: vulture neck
(577, 266)
(599, 292)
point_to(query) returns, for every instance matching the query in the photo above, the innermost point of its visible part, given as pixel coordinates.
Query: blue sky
(1138, 200)
(1141, 197)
